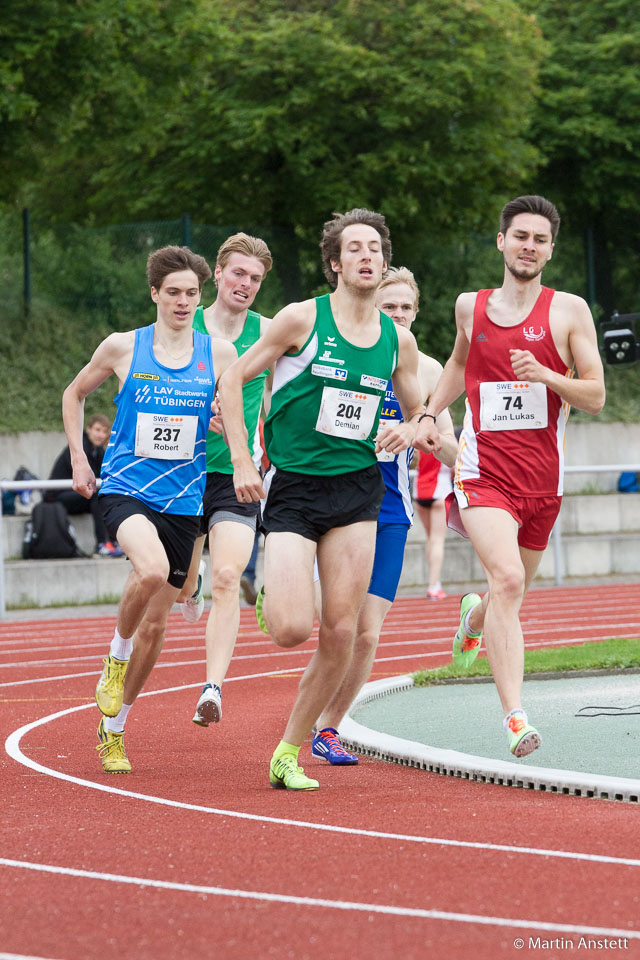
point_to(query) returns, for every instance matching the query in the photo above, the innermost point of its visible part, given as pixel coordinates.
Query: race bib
(513, 405)
(345, 413)
(165, 437)
(385, 456)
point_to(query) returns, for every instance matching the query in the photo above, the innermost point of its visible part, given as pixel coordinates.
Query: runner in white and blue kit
(398, 298)
(153, 473)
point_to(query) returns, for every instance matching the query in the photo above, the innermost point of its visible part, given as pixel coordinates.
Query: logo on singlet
(481, 338)
(145, 376)
(531, 334)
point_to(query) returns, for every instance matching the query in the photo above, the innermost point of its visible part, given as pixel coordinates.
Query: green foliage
(587, 119)
(614, 654)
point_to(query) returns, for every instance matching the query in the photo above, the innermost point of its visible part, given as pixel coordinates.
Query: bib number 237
(165, 437)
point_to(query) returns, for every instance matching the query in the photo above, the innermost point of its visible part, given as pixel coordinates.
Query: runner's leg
(345, 559)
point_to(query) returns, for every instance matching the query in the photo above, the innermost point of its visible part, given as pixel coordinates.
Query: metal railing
(19, 485)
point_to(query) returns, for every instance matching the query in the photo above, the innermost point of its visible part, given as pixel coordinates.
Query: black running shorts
(177, 533)
(311, 505)
(219, 502)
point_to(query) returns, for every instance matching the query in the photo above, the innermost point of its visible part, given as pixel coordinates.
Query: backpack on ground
(49, 534)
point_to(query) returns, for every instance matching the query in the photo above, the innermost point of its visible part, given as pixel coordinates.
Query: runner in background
(432, 485)
(241, 265)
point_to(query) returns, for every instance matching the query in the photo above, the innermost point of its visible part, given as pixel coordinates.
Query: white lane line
(20, 956)
(12, 747)
(349, 905)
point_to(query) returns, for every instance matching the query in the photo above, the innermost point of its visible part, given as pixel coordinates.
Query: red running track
(192, 855)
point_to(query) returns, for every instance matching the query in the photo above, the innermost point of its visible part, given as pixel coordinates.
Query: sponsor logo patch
(322, 370)
(145, 376)
(376, 382)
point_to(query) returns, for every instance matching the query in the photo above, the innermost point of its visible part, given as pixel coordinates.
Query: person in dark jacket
(94, 441)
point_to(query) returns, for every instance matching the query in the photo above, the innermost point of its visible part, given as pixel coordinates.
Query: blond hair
(401, 275)
(249, 246)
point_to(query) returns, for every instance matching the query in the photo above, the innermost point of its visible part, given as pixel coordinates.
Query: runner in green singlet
(241, 266)
(333, 358)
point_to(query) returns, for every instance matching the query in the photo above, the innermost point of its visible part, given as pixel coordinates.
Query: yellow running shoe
(111, 750)
(111, 686)
(285, 774)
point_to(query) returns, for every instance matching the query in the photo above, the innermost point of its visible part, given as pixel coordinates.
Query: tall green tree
(276, 113)
(587, 125)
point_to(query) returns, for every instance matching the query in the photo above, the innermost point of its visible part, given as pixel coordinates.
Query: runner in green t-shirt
(241, 266)
(333, 358)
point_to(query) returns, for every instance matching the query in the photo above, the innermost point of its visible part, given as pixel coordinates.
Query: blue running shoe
(326, 745)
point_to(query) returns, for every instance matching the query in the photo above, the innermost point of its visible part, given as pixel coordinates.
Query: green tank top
(326, 398)
(218, 458)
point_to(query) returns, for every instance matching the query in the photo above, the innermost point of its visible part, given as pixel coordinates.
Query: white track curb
(451, 763)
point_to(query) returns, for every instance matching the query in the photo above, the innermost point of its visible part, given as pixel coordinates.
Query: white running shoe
(193, 607)
(209, 708)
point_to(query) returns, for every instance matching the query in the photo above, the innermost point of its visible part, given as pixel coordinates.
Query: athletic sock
(467, 629)
(121, 647)
(283, 748)
(116, 724)
(518, 710)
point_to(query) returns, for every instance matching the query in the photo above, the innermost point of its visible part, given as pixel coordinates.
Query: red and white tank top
(513, 433)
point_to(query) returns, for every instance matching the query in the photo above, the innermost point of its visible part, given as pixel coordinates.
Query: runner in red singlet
(515, 353)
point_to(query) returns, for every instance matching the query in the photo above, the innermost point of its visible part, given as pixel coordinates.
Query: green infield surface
(615, 654)
(583, 698)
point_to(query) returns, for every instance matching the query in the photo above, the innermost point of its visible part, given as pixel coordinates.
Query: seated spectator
(95, 439)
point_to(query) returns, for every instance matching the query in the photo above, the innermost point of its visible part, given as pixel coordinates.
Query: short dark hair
(530, 203)
(331, 241)
(172, 259)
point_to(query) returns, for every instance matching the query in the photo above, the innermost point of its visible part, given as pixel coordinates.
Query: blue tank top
(396, 506)
(157, 448)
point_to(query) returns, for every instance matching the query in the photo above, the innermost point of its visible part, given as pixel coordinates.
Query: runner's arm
(429, 372)
(587, 391)
(287, 332)
(406, 387)
(451, 381)
(223, 354)
(113, 355)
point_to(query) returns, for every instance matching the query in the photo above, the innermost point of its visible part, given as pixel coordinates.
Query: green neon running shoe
(523, 738)
(262, 623)
(466, 647)
(110, 687)
(285, 774)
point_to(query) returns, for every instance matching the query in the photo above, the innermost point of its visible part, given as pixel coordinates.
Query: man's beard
(521, 274)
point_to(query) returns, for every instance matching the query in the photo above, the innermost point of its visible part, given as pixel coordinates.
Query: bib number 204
(349, 411)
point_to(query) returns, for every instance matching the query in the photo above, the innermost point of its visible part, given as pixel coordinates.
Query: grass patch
(106, 600)
(615, 654)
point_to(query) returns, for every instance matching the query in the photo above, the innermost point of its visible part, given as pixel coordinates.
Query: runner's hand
(84, 480)
(248, 482)
(394, 438)
(427, 437)
(526, 367)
